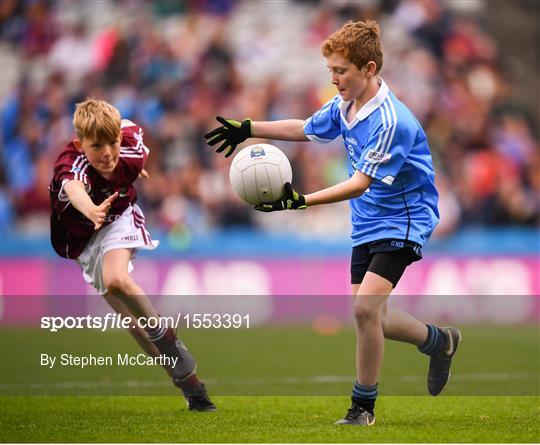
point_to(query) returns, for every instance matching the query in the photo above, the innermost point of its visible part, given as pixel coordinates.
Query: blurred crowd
(173, 66)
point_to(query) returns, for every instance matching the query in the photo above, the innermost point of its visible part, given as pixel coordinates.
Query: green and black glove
(231, 132)
(291, 201)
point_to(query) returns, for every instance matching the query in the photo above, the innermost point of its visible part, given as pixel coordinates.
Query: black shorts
(387, 258)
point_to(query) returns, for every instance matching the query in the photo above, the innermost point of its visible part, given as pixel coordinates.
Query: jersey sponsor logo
(122, 192)
(111, 218)
(378, 156)
(257, 152)
(398, 244)
(130, 238)
(351, 140)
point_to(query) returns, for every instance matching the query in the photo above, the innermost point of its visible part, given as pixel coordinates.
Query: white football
(258, 173)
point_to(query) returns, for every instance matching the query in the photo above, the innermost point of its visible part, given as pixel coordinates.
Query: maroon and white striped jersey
(70, 229)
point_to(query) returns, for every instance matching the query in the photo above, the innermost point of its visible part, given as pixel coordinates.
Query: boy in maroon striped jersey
(96, 222)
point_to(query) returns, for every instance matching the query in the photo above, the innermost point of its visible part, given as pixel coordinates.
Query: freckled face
(348, 79)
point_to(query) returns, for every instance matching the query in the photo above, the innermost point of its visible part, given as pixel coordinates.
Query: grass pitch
(267, 419)
(279, 384)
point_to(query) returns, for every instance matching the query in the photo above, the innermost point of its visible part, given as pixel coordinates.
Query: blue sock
(365, 396)
(435, 342)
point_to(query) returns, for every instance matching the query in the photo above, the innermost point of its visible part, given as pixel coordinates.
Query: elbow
(360, 183)
(357, 192)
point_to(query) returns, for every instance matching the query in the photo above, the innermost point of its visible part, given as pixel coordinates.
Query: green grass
(492, 360)
(267, 419)
(280, 384)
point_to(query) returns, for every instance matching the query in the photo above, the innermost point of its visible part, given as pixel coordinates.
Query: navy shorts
(387, 258)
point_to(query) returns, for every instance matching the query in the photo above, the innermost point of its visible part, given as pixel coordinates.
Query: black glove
(231, 132)
(290, 201)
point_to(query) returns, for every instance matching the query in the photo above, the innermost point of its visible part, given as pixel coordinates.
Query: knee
(118, 285)
(365, 314)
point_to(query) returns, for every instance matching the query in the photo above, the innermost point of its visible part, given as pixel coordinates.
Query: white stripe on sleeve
(390, 139)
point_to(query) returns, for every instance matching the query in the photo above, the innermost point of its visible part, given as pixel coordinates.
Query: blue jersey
(386, 142)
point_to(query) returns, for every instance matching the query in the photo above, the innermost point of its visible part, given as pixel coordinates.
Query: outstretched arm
(78, 197)
(285, 130)
(231, 132)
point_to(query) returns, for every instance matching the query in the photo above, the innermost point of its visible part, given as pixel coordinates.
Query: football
(258, 173)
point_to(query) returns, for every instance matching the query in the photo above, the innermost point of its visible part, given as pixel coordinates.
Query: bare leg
(136, 332)
(118, 282)
(369, 304)
(120, 285)
(400, 326)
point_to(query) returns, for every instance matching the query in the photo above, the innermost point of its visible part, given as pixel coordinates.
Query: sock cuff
(431, 340)
(365, 392)
(435, 342)
(157, 333)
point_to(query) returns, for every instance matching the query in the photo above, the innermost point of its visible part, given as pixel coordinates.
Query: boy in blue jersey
(392, 197)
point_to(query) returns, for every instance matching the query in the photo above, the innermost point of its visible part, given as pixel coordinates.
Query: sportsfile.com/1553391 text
(116, 321)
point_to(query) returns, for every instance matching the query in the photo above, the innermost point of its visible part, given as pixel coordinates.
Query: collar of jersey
(370, 106)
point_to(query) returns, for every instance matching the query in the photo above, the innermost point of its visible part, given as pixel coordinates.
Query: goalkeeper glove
(291, 201)
(231, 132)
